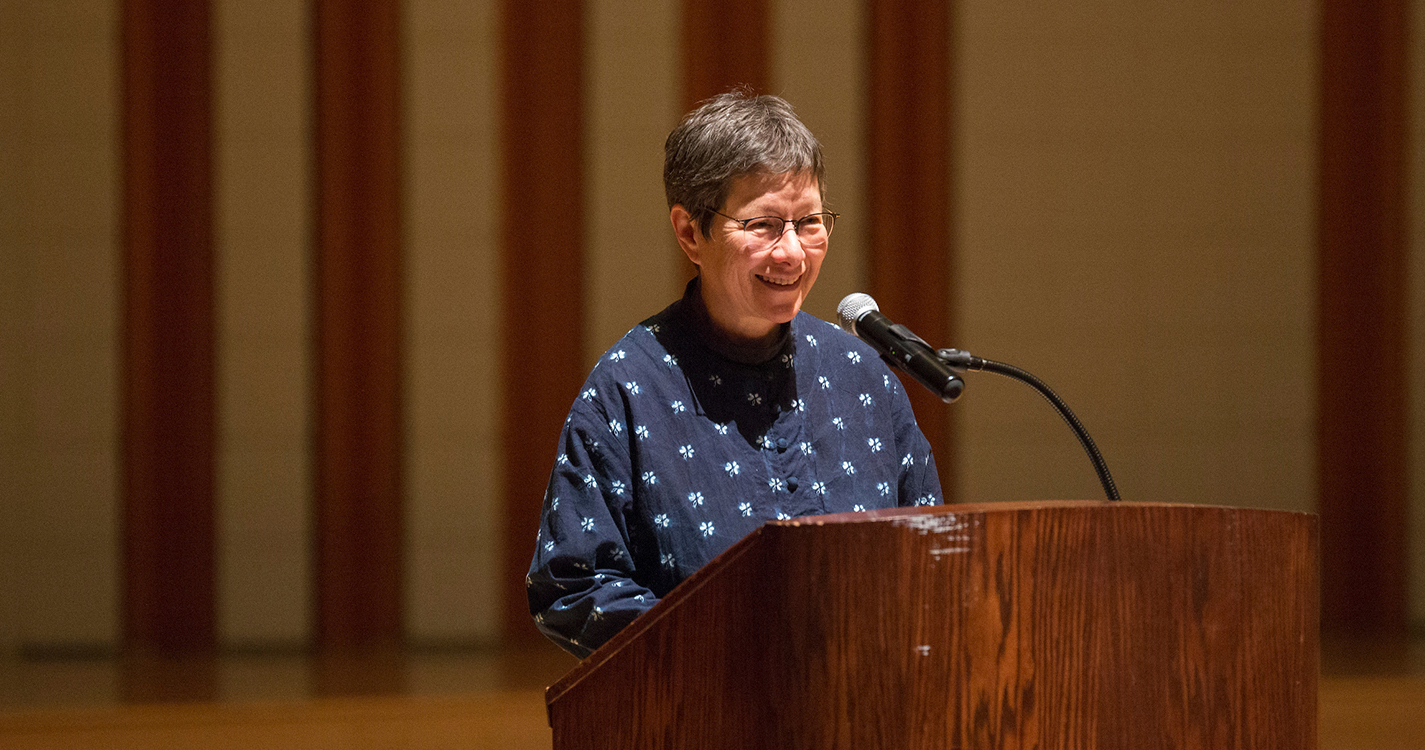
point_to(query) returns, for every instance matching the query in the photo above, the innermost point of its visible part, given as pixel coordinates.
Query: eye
(815, 227)
(766, 226)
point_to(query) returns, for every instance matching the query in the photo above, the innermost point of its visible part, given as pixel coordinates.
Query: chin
(784, 315)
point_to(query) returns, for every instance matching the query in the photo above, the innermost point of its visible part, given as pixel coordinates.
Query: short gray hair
(729, 136)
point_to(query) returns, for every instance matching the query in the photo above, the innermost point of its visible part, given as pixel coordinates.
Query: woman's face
(751, 287)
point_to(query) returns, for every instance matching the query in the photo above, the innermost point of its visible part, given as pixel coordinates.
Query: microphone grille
(852, 307)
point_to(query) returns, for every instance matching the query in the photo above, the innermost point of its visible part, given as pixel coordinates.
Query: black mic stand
(960, 361)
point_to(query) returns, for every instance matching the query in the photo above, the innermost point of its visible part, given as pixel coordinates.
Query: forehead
(789, 190)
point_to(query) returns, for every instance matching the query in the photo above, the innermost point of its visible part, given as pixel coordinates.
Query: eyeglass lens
(813, 227)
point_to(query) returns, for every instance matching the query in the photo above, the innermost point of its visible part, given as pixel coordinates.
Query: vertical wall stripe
(541, 141)
(1416, 327)
(725, 44)
(168, 328)
(1362, 354)
(908, 184)
(358, 325)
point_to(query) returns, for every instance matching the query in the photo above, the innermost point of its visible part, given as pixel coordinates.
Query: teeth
(779, 282)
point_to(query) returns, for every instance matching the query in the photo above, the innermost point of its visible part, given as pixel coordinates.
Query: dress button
(791, 484)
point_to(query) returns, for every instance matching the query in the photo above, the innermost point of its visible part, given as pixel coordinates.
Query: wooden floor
(1372, 698)
(455, 699)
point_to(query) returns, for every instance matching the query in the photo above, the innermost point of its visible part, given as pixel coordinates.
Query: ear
(686, 230)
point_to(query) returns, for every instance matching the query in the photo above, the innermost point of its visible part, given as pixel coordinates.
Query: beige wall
(262, 226)
(818, 65)
(58, 323)
(1133, 225)
(632, 99)
(453, 292)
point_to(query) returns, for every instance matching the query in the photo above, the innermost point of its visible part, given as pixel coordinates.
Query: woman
(731, 406)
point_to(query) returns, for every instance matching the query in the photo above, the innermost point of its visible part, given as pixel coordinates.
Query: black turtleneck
(716, 339)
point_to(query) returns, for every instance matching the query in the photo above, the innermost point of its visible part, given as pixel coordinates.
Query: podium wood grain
(1052, 625)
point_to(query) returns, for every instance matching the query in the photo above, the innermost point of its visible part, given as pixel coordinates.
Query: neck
(733, 345)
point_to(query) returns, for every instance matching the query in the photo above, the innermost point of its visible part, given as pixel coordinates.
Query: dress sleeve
(580, 584)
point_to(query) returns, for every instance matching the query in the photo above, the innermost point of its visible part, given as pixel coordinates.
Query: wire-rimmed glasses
(812, 229)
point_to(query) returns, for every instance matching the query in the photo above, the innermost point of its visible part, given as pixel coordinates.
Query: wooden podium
(1008, 625)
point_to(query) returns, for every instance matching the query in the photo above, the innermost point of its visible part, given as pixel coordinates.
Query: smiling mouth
(780, 281)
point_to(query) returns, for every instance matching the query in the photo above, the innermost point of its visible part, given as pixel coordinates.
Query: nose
(788, 248)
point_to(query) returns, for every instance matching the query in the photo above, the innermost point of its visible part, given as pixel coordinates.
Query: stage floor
(1371, 697)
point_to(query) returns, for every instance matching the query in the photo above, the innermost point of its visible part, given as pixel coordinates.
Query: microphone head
(852, 307)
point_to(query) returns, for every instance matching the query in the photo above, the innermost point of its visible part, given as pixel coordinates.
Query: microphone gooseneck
(861, 317)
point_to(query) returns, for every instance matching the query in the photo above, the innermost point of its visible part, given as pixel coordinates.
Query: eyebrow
(758, 213)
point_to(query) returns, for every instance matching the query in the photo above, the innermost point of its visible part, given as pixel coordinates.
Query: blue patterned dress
(674, 450)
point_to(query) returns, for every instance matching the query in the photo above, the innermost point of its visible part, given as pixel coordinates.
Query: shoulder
(634, 365)
(833, 344)
(842, 366)
(635, 349)
(806, 324)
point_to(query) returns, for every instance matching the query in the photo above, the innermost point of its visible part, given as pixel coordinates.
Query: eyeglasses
(812, 229)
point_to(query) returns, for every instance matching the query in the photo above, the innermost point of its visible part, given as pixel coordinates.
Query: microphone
(861, 317)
